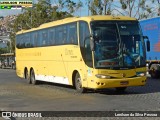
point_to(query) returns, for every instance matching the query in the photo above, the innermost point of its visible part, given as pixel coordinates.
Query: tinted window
(44, 37)
(84, 38)
(83, 32)
(51, 38)
(72, 32)
(58, 35)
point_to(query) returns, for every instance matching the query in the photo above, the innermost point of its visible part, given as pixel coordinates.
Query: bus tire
(121, 89)
(78, 84)
(154, 71)
(32, 77)
(27, 77)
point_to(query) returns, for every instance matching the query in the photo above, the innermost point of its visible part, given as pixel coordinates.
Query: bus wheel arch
(77, 83)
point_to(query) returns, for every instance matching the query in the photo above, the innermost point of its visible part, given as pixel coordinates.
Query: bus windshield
(118, 44)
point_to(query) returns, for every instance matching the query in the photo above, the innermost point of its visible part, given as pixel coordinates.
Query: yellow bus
(93, 52)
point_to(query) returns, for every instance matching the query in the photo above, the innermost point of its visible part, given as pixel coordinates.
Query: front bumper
(112, 83)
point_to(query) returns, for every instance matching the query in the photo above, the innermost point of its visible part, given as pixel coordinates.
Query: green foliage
(70, 5)
(100, 7)
(3, 50)
(134, 8)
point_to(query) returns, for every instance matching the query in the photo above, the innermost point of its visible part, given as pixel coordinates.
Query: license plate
(124, 83)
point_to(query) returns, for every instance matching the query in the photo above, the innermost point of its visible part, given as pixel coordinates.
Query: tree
(70, 5)
(156, 8)
(100, 7)
(3, 50)
(134, 8)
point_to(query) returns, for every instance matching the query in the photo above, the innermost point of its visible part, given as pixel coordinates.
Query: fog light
(97, 83)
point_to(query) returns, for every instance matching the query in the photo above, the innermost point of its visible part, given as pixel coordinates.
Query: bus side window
(32, 39)
(84, 32)
(44, 38)
(85, 47)
(73, 33)
(39, 38)
(88, 53)
(59, 35)
(35, 36)
(22, 43)
(64, 34)
(18, 41)
(52, 36)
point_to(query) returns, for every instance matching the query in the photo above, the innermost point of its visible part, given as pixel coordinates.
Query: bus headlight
(103, 76)
(141, 74)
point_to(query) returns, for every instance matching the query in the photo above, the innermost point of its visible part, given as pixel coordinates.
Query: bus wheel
(154, 71)
(32, 77)
(121, 89)
(78, 84)
(26, 76)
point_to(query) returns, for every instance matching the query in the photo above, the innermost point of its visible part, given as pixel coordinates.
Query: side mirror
(145, 37)
(148, 45)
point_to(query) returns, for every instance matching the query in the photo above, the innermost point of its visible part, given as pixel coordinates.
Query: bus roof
(74, 19)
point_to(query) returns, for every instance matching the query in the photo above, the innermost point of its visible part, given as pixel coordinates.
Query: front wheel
(78, 84)
(32, 78)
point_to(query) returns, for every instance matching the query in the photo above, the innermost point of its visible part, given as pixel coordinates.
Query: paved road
(17, 95)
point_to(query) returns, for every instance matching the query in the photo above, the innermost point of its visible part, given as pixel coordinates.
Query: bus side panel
(74, 62)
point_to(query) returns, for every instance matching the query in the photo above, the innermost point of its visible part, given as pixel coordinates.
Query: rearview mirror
(148, 45)
(145, 37)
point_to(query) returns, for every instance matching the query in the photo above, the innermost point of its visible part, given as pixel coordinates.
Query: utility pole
(88, 6)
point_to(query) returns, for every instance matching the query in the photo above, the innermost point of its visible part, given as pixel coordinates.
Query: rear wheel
(32, 78)
(78, 84)
(27, 76)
